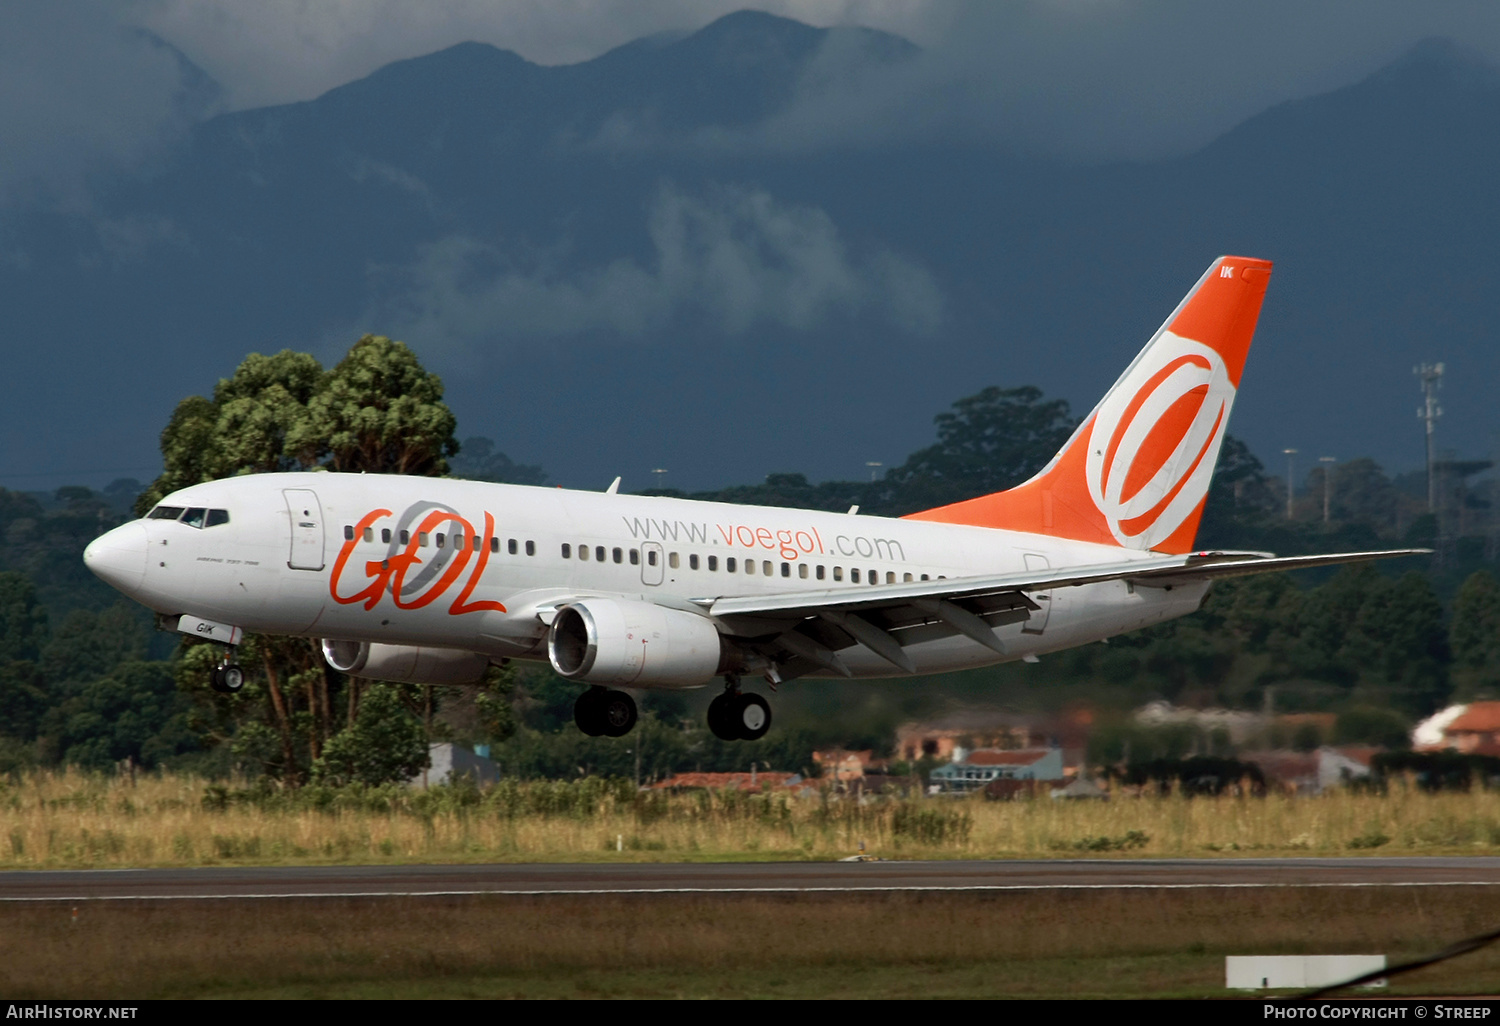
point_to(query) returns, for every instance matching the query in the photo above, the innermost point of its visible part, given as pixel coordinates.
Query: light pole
(1431, 377)
(659, 471)
(1291, 456)
(1327, 462)
(874, 466)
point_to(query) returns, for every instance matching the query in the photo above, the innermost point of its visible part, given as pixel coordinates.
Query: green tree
(380, 412)
(135, 712)
(1474, 635)
(989, 442)
(479, 460)
(243, 429)
(23, 622)
(385, 744)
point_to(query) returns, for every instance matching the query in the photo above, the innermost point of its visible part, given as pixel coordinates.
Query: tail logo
(1155, 439)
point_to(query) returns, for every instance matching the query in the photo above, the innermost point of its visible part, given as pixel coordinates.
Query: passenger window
(348, 532)
(906, 577)
(749, 566)
(422, 539)
(616, 555)
(693, 561)
(651, 557)
(458, 539)
(494, 544)
(385, 535)
(217, 517)
(440, 539)
(405, 537)
(567, 551)
(874, 576)
(599, 553)
(531, 548)
(369, 531)
(635, 557)
(511, 547)
(713, 562)
(729, 564)
(854, 575)
(802, 570)
(838, 573)
(474, 538)
(786, 569)
(765, 567)
(924, 577)
(820, 571)
(673, 561)
(890, 575)
(583, 553)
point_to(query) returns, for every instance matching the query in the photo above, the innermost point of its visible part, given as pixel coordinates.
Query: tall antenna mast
(1431, 377)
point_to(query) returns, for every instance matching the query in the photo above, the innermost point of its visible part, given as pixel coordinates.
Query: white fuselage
(481, 567)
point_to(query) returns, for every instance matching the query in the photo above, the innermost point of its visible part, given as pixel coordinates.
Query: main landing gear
(228, 677)
(602, 713)
(738, 715)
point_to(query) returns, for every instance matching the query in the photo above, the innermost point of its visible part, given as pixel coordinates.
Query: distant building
(1313, 772)
(841, 764)
(939, 738)
(451, 763)
(970, 771)
(1475, 731)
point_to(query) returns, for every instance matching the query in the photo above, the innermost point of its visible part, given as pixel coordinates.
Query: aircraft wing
(803, 631)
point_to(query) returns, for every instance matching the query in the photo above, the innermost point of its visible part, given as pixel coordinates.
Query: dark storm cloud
(81, 89)
(1103, 79)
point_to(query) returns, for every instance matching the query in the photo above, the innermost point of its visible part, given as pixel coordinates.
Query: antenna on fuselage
(614, 487)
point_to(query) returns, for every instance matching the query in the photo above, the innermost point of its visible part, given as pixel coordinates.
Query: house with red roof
(970, 771)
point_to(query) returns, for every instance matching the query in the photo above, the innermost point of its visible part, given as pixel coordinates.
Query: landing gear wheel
(588, 714)
(228, 678)
(617, 713)
(752, 716)
(721, 717)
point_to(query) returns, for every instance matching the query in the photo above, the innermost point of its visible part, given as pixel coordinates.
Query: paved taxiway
(765, 877)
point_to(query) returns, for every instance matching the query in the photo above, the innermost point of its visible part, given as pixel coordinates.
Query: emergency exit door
(1038, 621)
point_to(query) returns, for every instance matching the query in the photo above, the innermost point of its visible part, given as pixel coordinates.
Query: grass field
(1021, 944)
(70, 820)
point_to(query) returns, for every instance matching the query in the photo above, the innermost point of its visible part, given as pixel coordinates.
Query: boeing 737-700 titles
(430, 580)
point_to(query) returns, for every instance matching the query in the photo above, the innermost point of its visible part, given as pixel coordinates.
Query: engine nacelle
(624, 642)
(407, 664)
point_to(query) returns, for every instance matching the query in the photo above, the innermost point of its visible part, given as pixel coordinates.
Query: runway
(741, 878)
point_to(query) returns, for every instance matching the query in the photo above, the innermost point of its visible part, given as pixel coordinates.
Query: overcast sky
(1095, 78)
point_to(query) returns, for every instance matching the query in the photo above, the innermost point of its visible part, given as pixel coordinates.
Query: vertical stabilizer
(1137, 470)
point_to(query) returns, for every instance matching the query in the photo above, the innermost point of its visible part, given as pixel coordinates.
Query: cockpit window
(165, 513)
(195, 516)
(221, 516)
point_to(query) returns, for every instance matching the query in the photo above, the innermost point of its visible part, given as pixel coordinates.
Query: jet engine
(408, 664)
(619, 641)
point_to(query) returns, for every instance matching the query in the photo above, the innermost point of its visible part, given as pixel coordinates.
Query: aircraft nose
(118, 557)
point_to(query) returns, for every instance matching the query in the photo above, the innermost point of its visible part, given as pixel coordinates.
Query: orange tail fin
(1137, 470)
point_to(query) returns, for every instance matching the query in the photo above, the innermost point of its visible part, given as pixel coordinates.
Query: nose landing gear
(602, 713)
(738, 715)
(228, 677)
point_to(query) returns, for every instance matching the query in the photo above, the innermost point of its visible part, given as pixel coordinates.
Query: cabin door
(307, 529)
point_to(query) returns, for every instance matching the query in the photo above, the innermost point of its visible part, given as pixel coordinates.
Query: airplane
(431, 580)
